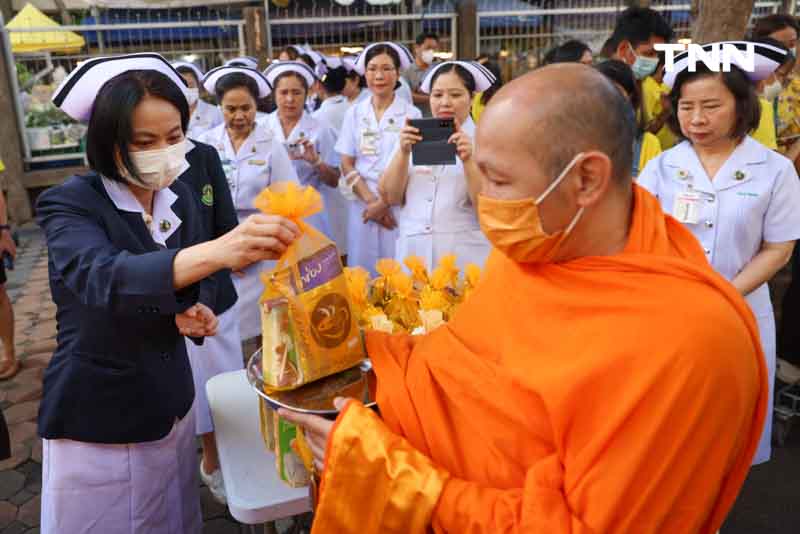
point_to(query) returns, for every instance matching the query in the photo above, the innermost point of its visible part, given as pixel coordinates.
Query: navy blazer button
(165, 356)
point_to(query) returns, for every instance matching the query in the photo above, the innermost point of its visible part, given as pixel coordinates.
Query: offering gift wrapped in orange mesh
(309, 328)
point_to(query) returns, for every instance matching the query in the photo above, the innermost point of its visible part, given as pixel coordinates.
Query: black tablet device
(434, 148)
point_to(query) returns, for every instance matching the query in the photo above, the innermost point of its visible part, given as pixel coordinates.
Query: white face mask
(159, 168)
(773, 90)
(427, 56)
(193, 95)
(643, 66)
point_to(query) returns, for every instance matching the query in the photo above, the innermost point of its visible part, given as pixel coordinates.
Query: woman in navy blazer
(129, 281)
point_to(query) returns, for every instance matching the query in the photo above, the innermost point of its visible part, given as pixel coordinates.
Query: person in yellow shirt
(646, 146)
(655, 106)
(769, 90)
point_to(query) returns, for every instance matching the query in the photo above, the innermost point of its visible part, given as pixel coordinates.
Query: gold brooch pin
(165, 225)
(739, 175)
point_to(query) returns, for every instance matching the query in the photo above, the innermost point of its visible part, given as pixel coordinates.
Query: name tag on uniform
(257, 162)
(687, 207)
(369, 142)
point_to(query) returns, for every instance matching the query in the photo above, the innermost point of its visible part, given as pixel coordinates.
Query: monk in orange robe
(602, 378)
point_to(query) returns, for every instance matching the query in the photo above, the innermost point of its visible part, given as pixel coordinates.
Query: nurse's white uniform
(204, 118)
(260, 161)
(322, 137)
(367, 243)
(438, 217)
(754, 198)
(132, 487)
(332, 111)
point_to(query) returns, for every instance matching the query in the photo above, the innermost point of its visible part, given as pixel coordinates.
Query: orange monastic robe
(620, 394)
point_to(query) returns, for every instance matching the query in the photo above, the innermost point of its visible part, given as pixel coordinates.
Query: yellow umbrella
(47, 41)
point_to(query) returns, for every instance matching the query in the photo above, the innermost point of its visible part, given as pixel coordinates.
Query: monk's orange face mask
(514, 227)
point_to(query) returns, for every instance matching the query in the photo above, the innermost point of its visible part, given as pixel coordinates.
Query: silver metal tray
(316, 397)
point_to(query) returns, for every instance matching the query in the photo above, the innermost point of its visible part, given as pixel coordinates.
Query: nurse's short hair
(748, 108)
(235, 80)
(110, 127)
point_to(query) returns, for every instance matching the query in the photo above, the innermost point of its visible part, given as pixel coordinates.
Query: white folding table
(255, 493)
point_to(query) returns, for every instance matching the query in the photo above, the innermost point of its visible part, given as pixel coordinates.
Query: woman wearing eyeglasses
(369, 137)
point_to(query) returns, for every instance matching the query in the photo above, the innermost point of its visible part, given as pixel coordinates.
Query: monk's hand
(317, 430)
(197, 321)
(409, 136)
(463, 144)
(260, 237)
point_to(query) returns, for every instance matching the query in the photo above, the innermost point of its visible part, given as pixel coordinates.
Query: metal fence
(528, 29)
(335, 29)
(206, 36)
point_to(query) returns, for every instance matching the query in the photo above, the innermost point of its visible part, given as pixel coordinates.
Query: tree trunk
(66, 17)
(18, 204)
(721, 20)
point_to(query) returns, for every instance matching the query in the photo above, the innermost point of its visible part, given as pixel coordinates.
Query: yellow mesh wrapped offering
(310, 330)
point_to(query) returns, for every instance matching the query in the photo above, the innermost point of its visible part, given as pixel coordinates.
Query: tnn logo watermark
(719, 58)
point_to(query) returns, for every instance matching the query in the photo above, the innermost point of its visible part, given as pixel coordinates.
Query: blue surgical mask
(643, 66)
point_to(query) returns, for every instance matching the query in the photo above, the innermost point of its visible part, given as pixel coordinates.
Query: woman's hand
(379, 211)
(409, 136)
(260, 237)
(463, 143)
(310, 154)
(317, 430)
(197, 321)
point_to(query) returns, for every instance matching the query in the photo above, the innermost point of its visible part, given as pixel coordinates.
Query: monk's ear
(595, 173)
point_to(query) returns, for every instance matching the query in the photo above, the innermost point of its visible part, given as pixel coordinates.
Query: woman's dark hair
(569, 52)
(190, 72)
(290, 74)
(334, 80)
(235, 80)
(377, 50)
(620, 73)
(494, 68)
(774, 23)
(748, 108)
(110, 127)
(305, 58)
(291, 52)
(461, 72)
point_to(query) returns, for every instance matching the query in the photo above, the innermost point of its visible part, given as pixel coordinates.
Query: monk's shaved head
(560, 110)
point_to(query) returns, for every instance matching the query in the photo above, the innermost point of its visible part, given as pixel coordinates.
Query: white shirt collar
(164, 221)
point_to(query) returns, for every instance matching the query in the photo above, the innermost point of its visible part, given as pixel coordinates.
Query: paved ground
(768, 503)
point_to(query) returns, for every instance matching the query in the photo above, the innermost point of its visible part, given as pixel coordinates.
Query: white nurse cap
(482, 76)
(243, 61)
(767, 59)
(281, 67)
(406, 59)
(191, 66)
(215, 75)
(77, 93)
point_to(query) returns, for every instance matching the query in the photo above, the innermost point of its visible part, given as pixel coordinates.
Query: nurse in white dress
(309, 142)
(369, 137)
(334, 104)
(252, 158)
(737, 197)
(437, 215)
(203, 116)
